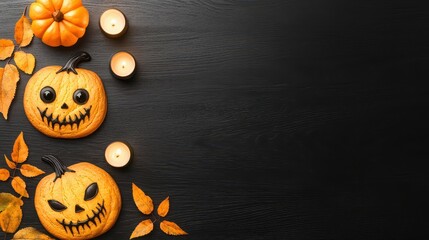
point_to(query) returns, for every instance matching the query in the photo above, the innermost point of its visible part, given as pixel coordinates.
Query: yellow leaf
(8, 80)
(144, 228)
(30, 171)
(171, 228)
(30, 233)
(23, 32)
(164, 207)
(9, 163)
(6, 199)
(11, 216)
(25, 61)
(20, 149)
(4, 174)
(19, 186)
(6, 48)
(143, 202)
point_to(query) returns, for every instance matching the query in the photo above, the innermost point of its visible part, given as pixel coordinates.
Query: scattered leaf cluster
(144, 204)
(10, 205)
(9, 75)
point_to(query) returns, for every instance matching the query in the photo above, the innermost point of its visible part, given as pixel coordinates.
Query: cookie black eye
(56, 206)
(47, 94)
(91, 191)
(81, 96)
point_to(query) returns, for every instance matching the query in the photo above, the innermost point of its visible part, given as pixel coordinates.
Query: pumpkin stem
(72, 63)
(58, 16)
(57, 165)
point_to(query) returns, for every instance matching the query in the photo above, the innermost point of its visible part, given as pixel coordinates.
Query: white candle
(118, 154)
(122, 65)
(113, 23)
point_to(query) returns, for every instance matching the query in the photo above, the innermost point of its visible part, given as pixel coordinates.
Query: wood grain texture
(260, 119)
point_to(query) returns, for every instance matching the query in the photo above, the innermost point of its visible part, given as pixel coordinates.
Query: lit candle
(118, 154)
(122, 65)
(113, 23)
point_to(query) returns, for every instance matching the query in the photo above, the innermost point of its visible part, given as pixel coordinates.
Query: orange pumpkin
(59, 22)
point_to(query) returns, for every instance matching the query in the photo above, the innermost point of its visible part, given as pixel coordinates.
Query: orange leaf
(20, 149)
(23, 32)
(144, 228)
(4, 174)
(8, 79)
(143, 202)
(30, 233)
(25, 61)
(19, 186)
(30, 171)
(11, 213)
(6, 48)
(9, 163)
(164, 207)
(171, 228)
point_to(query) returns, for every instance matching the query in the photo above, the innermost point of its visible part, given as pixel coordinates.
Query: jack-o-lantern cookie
(66, 102)
(77, 202)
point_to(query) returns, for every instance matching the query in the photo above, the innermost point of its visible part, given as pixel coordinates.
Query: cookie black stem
(57, 165)
(72, 63)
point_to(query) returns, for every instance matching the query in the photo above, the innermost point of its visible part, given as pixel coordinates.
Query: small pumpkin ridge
(58, 16)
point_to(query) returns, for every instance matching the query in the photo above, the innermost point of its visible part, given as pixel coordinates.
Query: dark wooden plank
(260, 119)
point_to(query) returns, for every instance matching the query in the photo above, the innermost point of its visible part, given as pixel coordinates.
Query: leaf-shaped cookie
(30, 233)
(144, 228)
(4, 174)
(20, 149)
(19, 186)
(9, 163)
(25, 61)
(171, 228)
(6, 48)
(9, 76)
(30, 171)
(164, 207)
(23, 32)
(143, 202)
(11, 216)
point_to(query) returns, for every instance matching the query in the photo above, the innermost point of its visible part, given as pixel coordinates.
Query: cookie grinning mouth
(77, 120)
(101, 210)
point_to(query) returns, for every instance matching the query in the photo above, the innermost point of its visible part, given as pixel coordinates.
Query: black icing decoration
(91, 191)
(57, 165)
(56, 206)
(72, 63)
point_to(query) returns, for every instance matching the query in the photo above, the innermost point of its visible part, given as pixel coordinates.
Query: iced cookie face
(66, 102)
(78, 202)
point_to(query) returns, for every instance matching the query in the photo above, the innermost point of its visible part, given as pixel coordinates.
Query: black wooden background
(271, 119)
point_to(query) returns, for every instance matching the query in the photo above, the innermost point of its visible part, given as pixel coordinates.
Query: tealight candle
(122, 65)
(113, 23)
(118, 154)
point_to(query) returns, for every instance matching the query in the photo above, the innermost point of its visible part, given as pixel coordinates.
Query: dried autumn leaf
(171, 228)
(6, 48)
(10, 212)
(23, 32)
(8, 80)
(164, 207)
(25, 61)
(6, 199)
(9, 163)
(30, 233)
(30, 171)
(4, 174)
(144, 228)
(143, 202)
(19, 186)
(20, 149)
